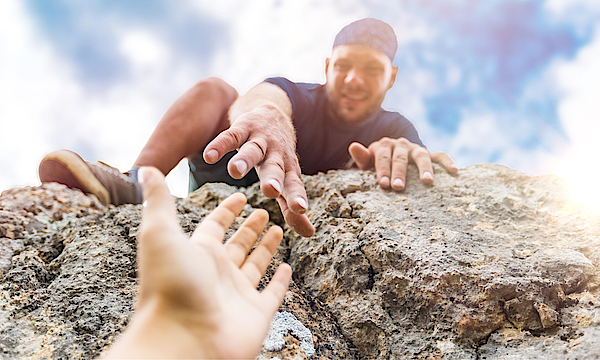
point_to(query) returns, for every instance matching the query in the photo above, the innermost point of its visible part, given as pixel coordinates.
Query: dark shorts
(202, 173)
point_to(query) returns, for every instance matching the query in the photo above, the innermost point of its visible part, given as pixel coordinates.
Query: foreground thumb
(159, 206)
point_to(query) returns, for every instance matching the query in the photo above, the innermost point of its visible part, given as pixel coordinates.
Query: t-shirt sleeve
(298, 93)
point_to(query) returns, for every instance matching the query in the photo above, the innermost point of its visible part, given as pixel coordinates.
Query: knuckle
(403, 142)
(385, 141)
(400, 159)
(420, 153)
(294, 179)
(236, 135)
(273, 163)
(260, 145)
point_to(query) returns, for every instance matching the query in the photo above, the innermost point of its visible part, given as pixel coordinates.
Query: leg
(193, 120)
(187, 127)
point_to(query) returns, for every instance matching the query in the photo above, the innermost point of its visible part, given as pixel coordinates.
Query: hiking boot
(107, 183)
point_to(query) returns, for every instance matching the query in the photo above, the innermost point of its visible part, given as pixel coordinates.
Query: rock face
(489, 264)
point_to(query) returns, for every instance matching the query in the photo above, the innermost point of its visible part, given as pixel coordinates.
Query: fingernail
(142, 175)
(275, 184)
(398, 183)
(427, 175)
(301, 202)
(241, 166)
(212, 155)
(385, 181)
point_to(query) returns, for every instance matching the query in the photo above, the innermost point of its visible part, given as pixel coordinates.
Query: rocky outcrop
(491, 263)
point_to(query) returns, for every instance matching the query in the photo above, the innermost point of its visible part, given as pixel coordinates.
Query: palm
(203, 284)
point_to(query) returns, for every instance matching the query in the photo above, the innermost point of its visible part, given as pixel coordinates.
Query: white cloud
(290, 38)
(142, 49)
(563, 6)
(578, 110)
(44, 106)
(33, 82)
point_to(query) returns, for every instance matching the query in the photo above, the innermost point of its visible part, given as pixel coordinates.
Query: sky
(515, 82)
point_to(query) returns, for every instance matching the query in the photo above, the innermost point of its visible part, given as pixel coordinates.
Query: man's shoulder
(285, 82)
(303, 96)
(387, 115)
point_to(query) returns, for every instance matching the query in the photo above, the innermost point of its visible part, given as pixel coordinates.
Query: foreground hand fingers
(298, 222)
(249, 155)
(254, 267)
(244, 238)
(272, 295)
(422, 159)
(361, 156)
(445, 160)
(229, 140)
(159, 215)
(214, 226)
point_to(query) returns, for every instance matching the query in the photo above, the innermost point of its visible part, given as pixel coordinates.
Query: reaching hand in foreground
(390, 157)
(198, 297)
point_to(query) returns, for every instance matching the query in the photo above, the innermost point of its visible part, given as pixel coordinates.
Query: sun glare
(582, 177)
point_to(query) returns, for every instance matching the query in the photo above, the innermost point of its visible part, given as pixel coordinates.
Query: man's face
(357, 79)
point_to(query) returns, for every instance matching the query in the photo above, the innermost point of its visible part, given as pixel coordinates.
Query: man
(280, 129)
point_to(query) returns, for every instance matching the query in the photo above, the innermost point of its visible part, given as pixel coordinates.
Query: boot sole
(68, 168)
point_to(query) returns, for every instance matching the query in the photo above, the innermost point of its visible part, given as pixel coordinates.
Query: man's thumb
(361, 156)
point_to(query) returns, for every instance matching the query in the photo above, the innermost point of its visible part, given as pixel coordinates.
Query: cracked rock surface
(485, 264)
(489, 264)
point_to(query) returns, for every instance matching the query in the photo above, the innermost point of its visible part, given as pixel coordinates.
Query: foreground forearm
(152, 335)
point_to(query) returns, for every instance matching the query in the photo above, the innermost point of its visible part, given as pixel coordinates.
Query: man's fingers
(446, 161)
(361, 156)
(159, 214)
(294, 192)
(249, 155)
(214, 226)
(229, 140)
(383, 165)
(244, 238)
(422, 158)
(298, 222)
(399, 166)
(256, 264)
(273, 294)
(271, 173)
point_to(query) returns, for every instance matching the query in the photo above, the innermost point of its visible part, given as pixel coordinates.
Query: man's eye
(342, 67)
(374, 69)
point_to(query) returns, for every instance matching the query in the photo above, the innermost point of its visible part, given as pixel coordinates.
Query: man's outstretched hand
(198, 297)
(266, 141)
(390, 158)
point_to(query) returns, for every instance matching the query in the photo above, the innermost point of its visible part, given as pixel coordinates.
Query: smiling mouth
(355, 97)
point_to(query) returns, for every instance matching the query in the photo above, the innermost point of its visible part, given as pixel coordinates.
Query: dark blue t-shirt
(322, 141)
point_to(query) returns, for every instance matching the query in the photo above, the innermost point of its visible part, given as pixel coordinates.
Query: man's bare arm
(262, 94)
(263, 134)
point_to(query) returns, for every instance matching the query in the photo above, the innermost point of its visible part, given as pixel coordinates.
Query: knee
(215, 89)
